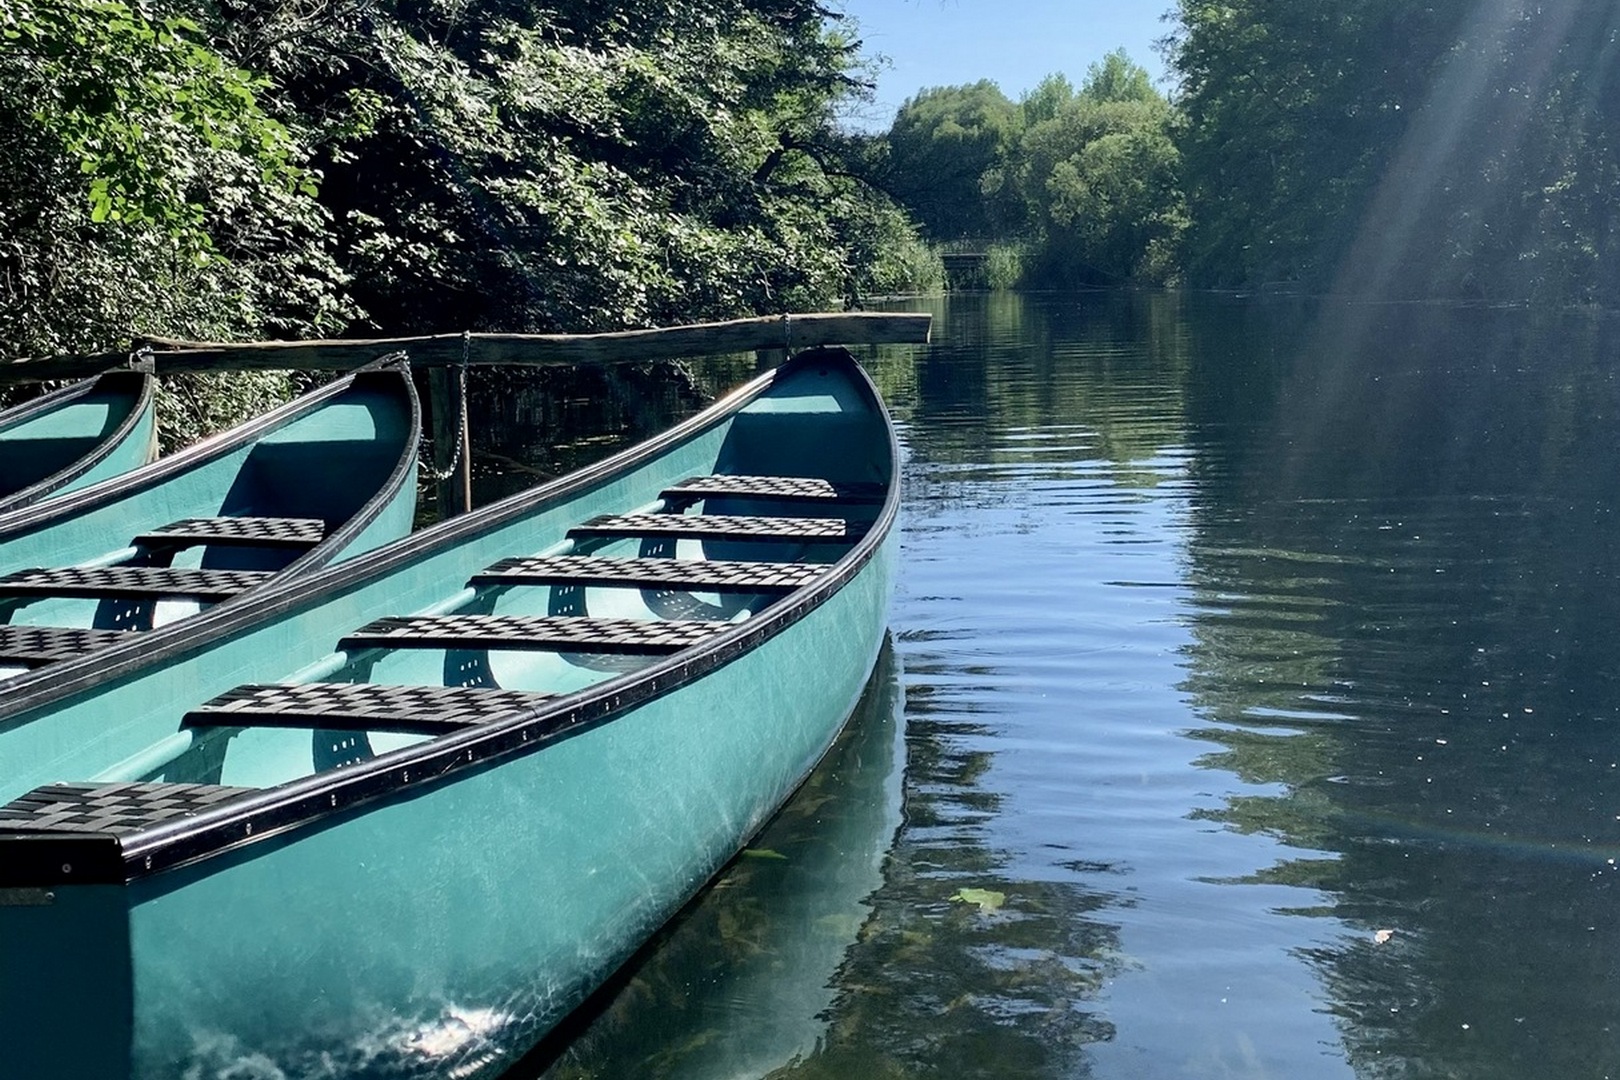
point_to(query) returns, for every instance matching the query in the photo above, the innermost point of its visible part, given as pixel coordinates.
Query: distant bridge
(965, 269)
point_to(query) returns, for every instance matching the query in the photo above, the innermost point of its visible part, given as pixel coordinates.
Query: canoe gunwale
(307, 802)
(142, 397)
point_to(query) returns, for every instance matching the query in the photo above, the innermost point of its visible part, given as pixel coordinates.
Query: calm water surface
(1252, 711)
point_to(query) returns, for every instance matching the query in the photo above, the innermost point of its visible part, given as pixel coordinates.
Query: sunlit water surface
(1251, 712)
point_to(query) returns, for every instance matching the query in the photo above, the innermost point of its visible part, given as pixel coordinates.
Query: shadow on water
(1404, 555)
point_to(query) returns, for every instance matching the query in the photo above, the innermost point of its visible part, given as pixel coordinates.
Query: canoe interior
(501, 894)
(75, 436)
(340, 462)
(808, 425)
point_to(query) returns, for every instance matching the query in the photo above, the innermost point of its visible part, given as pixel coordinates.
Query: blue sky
(1014, 42)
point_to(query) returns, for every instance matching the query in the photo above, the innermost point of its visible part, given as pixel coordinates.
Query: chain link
(461, 439)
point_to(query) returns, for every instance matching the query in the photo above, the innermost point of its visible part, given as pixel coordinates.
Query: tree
(1382, 148)
(942, 143)
(1116, 78)
(569, 166)
(1099, 177)
(1050, 97)
(249, 167)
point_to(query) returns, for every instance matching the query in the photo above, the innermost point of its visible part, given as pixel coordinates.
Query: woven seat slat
(554, 633)
(98, 582)
(245, 531)
(721, 527)
(429, 710)
(34, 645)
(109, 808)
(792, 488)
(682, 574)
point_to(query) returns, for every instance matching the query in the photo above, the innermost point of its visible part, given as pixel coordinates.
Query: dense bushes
(254, 168)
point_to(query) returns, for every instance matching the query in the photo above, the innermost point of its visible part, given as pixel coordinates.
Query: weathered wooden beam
(791, 332)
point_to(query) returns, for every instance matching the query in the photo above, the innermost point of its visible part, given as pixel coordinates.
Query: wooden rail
(786, 332)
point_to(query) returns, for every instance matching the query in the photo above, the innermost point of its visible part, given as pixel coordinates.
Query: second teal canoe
(326, 476)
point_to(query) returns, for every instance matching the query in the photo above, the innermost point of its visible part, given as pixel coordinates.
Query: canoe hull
(451, 930)
(753, 963)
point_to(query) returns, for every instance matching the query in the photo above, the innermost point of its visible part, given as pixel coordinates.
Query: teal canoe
(76, 436)
(399, 817)
(328, 475)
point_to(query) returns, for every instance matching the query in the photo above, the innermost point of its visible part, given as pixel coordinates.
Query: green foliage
(1116, 78)
(557, 166)
(1100, 180)
(1084, 185)
(143, 106)
(231, 168)
(902, 263)
(1004, 265)
(1290, 116)
(942, 143)
(1390, 149)
(144, 187)
(1051, 96)
(191, 407)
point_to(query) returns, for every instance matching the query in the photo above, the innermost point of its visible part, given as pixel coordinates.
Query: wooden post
(452, 451)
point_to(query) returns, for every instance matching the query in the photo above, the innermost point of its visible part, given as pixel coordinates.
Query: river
(1252, 711)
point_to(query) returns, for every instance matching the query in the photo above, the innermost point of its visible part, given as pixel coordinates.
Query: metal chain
(435, 475)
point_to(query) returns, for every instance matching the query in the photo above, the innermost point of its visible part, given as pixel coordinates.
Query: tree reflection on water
(1404, 617)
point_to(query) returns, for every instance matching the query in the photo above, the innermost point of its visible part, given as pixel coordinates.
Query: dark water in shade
(1259, 668)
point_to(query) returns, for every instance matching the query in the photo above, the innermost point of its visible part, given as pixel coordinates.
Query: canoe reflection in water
(740, 984)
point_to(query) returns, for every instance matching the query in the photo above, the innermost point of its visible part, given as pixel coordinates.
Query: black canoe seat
(683, 574)
(721, 527)
(784, 488)
(555, 633)
(34, 645)
(426, 710)
(109, 808)
(101, 582)
(243, 531)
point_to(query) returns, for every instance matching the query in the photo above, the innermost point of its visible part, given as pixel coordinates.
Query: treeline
(231, 168)
(249, 168)
(1450, 149)
(1087, 180)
